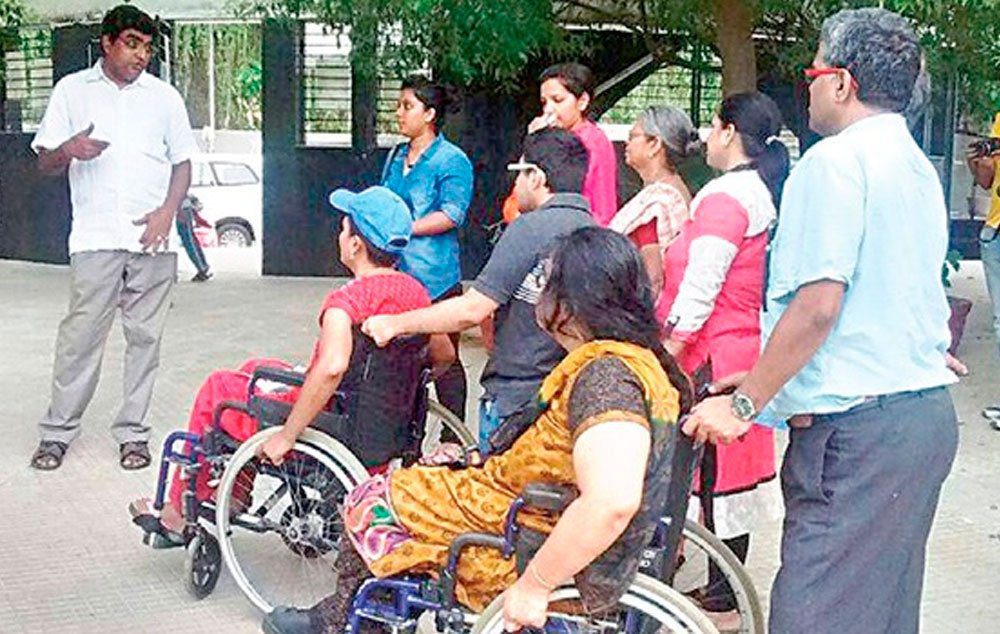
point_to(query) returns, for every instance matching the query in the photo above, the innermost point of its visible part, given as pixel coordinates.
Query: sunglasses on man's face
(815, 73)
(522, 166)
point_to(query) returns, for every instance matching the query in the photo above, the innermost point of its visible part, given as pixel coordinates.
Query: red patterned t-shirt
(382, 294)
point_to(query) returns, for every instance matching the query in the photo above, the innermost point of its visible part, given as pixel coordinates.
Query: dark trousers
(451, 386)
(185, 229)
(861, 489)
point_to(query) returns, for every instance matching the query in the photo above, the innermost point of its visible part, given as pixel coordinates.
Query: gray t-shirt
(514, 277)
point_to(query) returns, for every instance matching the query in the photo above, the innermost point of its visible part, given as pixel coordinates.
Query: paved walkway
(71, 562)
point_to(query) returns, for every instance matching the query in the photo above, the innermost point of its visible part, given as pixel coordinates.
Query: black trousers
(452, 387)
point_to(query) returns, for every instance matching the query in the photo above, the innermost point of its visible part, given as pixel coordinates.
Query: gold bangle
(539, 579)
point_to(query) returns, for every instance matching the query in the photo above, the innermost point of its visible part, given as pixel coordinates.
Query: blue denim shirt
(864, 208)
(441, 180)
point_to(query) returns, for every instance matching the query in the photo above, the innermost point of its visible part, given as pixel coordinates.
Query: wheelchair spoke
(281, 551)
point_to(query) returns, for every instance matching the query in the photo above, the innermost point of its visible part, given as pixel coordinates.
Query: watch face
(743, 406)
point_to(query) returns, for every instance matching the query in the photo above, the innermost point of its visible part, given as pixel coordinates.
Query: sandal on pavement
(156, 535)
(992, 412)
(134, 455)
(49, 455)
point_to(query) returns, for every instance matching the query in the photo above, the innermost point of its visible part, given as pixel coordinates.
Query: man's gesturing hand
(83, 148)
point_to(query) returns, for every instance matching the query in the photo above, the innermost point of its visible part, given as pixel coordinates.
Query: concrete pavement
(70, 561)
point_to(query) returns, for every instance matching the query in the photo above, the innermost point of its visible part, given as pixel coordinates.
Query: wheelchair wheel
(648, 606)
(279, 527)
(439, 419)
(202, 565)
(701, 547)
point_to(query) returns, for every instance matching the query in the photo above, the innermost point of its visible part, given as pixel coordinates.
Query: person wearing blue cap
(374, 231)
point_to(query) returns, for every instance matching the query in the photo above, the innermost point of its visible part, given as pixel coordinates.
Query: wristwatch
(743, 407)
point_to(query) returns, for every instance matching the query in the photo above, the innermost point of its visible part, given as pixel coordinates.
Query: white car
(229, 188)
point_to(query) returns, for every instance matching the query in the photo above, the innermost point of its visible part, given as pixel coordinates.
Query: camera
(984, 147)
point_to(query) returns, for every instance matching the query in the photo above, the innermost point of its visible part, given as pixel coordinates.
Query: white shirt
(147, 127)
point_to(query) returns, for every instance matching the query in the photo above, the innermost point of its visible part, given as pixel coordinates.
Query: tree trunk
(734, 21)
(364, 85)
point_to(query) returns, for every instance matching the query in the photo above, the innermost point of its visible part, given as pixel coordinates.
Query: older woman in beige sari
(661, 138)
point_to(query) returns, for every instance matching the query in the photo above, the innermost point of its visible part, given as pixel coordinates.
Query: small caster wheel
(203, 565)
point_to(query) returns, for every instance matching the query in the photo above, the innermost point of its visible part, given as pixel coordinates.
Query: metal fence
(695, 87)
(28, 82)
(326, 90)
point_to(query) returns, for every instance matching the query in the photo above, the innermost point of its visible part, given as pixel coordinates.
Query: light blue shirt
(441, 180)
(865, 208)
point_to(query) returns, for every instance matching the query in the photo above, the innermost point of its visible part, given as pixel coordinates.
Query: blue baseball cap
(378, 214)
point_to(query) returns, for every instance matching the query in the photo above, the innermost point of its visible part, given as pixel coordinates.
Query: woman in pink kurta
(600, 185)
(565, 93)
(714, 276)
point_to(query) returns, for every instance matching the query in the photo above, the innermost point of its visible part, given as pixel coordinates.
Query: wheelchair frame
(215, 449)
(411, 596)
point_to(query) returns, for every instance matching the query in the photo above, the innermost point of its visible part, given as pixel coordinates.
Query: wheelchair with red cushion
(277, 527)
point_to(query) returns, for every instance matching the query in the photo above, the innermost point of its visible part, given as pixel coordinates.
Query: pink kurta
(713, 291)
(600, 185)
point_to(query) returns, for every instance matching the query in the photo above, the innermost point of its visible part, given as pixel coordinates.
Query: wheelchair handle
(411, 340)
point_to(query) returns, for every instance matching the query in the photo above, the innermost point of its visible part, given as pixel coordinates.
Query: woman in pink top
(710, 307)
(566, 91)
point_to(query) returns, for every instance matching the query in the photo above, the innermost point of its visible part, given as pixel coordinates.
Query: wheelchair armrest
(278, 375)
(548, 497)
(449, 574)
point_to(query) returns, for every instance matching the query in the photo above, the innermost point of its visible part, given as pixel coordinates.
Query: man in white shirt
(124, 138)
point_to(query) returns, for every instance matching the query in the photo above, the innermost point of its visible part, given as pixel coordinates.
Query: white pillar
(211, 87)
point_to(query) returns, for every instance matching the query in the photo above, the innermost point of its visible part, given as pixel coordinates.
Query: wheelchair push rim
(305, 573)
(661, 610)
(440, 418)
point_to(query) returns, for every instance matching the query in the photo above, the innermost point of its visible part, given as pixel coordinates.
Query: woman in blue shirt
(434, 177)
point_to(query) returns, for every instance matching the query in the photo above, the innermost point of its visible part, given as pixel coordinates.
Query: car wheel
(234, 235)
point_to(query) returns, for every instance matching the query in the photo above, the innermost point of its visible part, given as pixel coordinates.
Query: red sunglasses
(813, 73)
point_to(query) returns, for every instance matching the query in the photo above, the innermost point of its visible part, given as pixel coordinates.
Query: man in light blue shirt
(884, 245)
(856, 335)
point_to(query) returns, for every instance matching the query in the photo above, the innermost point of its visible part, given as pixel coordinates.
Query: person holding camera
(985, 165)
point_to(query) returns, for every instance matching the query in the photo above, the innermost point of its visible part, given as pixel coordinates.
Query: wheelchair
(648, 606)
(277, 527)
(656, 596)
